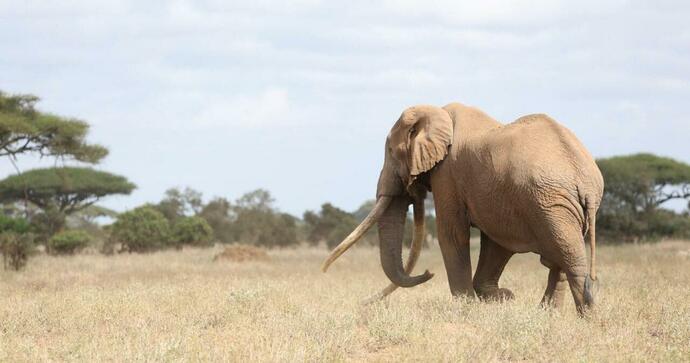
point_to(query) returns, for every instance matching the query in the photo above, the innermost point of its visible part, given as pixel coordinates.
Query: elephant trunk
(391, 231)
(415, 250)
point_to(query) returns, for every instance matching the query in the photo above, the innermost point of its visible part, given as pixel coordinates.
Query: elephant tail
(590, 207)
(591, 236)
(591, 216)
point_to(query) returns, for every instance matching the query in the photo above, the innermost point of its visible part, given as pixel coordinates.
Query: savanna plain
(183, 305)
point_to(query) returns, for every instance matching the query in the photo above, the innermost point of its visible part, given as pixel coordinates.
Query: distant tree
(642, 182)
(219, 214)
(15, 248)
(23, 130)
(193, 231)
(364, 210)
(16, 241)
(259, 199)
(143, 229)
(256, 221)
(635, 187)
(17, 225)
(87, 216)
(330, 225)
(61, 191)
(68, 242)
(179, 203)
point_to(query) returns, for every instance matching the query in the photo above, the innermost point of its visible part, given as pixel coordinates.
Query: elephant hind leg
(555, 288)
(566, 251)
(492, 260)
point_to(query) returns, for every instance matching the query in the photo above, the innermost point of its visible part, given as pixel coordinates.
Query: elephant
(528, 186)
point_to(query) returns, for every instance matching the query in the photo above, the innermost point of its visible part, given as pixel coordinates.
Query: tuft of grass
(180, 305)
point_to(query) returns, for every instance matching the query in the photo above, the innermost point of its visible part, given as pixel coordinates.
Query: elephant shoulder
(530, 148)
(469, 121)
(537, 122)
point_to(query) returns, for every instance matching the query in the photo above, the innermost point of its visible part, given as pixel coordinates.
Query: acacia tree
(59, 192)
(23, 129)
(643, 182)
(636, 186)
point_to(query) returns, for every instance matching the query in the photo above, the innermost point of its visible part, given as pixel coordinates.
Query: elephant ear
(429, 133)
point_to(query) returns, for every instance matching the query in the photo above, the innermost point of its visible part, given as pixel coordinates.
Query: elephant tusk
(381, 205)
(415, 250)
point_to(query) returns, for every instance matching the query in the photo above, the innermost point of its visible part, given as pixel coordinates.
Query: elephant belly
(507, 227)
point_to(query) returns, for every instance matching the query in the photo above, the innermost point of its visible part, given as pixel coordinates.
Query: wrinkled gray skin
(529, 186)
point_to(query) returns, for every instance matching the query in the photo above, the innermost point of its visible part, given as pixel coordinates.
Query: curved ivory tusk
(357, 234)
(415, 249)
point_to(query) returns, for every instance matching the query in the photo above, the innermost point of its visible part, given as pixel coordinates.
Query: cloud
(271, 108)
(318, 75)
(500, 12)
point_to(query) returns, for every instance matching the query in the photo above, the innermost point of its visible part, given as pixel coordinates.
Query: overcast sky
(297, 96)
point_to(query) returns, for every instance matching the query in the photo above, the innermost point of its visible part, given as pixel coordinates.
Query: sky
(297, 96)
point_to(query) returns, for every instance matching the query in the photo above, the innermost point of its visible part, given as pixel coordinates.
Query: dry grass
(173, 306)
(241, 253)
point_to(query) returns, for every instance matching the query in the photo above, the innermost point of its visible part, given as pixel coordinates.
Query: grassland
(181, 306)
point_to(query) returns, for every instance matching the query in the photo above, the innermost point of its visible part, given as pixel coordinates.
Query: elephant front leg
(454, 239)
(492, 260)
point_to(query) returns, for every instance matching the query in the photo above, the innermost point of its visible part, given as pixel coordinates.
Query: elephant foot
(495, 294)
(463, 293)
(553, 301)
(547, 303)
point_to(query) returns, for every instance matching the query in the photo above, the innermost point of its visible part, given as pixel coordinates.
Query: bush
(665, 223)
(649, 226)
(331, 225)
(266, 228)
(46, 223)
(17, 225)
(256, 222)
(68, 242)
(143, 229)
(15, 249)
(192, 231)
(217, 213)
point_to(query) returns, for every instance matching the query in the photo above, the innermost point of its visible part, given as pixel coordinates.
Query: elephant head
(418, 141)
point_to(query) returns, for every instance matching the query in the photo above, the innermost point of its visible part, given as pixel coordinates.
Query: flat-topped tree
(23, 129)
(62, 191)
(642, 182)
(637, 188)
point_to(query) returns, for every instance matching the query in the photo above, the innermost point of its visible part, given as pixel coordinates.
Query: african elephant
(529, 186)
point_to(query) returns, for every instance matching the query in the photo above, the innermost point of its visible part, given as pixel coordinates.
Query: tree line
(57, 208)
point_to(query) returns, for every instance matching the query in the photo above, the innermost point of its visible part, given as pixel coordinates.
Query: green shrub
(15, 249)
(143, 229)
(649, 226)
(266, 228)
(68, 242)
(665, 223)
(192, 231)
(18, 225)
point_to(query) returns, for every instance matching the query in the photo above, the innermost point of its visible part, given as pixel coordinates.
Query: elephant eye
(413, 130)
